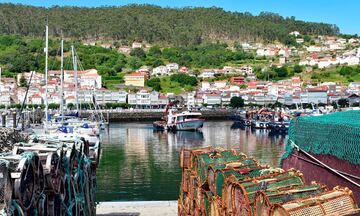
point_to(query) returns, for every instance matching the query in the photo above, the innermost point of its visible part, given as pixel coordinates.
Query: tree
(155, 25)
(334, 104)
(157, 63)
(23, 81)
(346, 71)
(184, 79)
(281, 72)
(298, 69)
(70, 105)
(54, 106)
(138, 52)
(155, 51)
(236, 102)
(134, 63)
(154, 83)
(243, 86)
(343, 102)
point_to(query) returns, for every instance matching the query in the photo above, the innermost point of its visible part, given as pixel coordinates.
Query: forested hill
(154, 24)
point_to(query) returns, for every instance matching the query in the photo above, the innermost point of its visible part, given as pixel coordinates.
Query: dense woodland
(154, 24)
(19, 54)
(193, 37)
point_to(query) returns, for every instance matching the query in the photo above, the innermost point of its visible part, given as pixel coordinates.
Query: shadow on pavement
(120, 214)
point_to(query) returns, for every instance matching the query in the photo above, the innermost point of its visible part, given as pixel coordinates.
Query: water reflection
(139, 163)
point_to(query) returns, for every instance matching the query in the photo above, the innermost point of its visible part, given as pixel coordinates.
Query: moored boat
(184, 121)
(176, 121)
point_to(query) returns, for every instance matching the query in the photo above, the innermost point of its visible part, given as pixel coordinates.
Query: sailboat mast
(46, 75)
(62, 82)
(75, 77)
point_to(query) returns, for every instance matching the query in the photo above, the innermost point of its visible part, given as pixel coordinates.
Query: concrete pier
(140, 208)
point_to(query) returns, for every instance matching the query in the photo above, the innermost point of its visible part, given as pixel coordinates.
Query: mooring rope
(325, 165)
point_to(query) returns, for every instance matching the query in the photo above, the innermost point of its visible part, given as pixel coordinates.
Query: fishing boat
(326, 149)
(184, 121)
(176, 121)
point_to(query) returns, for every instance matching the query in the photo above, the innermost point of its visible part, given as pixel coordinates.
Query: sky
(344, 13)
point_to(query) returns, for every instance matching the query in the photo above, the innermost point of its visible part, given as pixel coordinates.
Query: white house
(36, 99)
(191, 99)
(136, 45)
(299, 40)
(304, 97)
(5, 98)
(349, 60)
(160, 71)
(314, 49)
(295, 33)
(212, 98)
(122, 96)
(132, 100)
(205, 85)
(317, 95)
(248, 70)
(172, 67)
(220, 84)
(207, 74)
(143, 99)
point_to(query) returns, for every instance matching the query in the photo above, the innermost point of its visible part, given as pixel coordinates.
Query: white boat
(184, 121)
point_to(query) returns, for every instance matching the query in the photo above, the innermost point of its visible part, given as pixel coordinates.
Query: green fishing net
(336, 134)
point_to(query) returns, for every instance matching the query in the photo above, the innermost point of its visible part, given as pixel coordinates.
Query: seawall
(128, 115)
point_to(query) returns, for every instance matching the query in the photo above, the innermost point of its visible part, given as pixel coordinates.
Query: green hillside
(154, 24)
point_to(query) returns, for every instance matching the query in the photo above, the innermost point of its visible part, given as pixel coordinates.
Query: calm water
(138, 163)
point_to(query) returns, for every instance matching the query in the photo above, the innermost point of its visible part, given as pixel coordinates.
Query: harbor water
(140, 164)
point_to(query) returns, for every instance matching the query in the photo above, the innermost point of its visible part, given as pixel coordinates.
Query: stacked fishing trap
(226, 182)
(48, 177)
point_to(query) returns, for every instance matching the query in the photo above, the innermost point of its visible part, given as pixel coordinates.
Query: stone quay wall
(127, 115)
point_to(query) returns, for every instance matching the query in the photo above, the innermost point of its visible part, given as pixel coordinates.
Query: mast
(75, 77)
(62, 82)
(46, 75)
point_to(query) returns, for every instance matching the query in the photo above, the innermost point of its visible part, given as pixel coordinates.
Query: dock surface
(138, 208)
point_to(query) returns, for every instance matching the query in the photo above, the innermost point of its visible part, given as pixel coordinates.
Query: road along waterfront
(139, 164)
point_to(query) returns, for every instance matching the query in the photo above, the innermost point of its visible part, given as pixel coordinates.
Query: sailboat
(68, 129)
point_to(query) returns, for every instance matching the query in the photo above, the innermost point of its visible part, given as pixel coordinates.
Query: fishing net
(336, 134)
(5, 184)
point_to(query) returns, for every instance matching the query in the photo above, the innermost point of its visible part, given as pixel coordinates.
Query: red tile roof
(135, 74)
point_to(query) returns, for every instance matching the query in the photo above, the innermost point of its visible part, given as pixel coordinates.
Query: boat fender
(261, 125)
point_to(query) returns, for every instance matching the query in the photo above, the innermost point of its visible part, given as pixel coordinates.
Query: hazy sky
(343, 13)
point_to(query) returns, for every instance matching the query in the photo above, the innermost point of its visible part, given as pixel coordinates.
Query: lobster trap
(220, 182)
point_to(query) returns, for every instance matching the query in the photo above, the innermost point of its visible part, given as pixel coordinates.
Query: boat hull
(189, 125)
(159, 125)
(306, 165)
